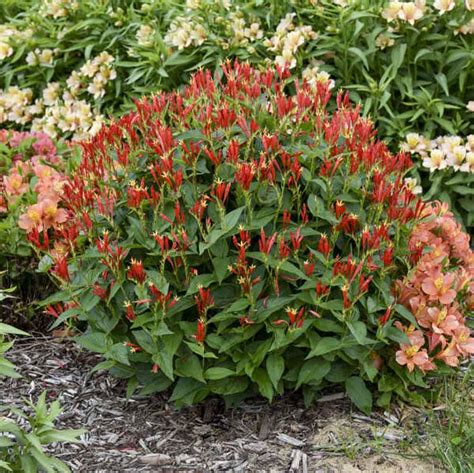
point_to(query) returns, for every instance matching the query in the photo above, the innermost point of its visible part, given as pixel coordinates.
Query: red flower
(200, 334)
(136, 271)
(323, 245)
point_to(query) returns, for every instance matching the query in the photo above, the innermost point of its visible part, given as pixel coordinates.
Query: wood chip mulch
(149, 434)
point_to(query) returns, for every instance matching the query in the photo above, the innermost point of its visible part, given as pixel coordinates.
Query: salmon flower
(32, 219)
(412, 355)
(438, 287)
(14, 185)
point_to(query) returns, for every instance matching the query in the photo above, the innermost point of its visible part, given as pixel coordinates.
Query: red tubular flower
(245, 174)
(347, 302)
(323, 245)
(264, 245)
(204, 301)
(321, 289)
(284, 249)
(34, 238)
(296, 239)
(136, 271)
(364, 283)
(221, 191)
(99, 292)
(387, 256)
(385, 317)
(60, 269)
(129, 312)
(200, 334)
(339, 208)
(304, 214)
(308, 267)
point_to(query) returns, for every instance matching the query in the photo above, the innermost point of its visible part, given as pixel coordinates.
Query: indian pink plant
(241, 236)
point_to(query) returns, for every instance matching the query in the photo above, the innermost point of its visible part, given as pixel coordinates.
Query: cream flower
(5, 50)
(383, 41)
(469, 4)
(444, 6)
(456, 159)
(390, 13)
(51, 93)
(412, 185)
(470, 105)
(410, 12)
(145, 35)
(435, 161)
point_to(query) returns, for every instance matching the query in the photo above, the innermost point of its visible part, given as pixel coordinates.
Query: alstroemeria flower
(438, 287)
(463, 340)
(32, 219)
(14, 184)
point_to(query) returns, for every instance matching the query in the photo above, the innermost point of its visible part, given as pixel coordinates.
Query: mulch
(150, 434)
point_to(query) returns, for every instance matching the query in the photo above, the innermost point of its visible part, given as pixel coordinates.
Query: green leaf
(96, 342)
(275, 367)
(313, 370)
(359, 394)
(119, 352)
(218, 373)
(324, 345)
(260, 376)
(232, 218)
(359, 330)
(8, 329)
(190, 367)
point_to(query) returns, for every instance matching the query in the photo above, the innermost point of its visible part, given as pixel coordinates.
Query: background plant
(446, 170)
(411, 65)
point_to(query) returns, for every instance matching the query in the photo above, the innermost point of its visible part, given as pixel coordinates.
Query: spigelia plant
(446, 167)
(238, 238)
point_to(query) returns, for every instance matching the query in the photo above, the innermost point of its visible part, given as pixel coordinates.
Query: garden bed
(149, 434)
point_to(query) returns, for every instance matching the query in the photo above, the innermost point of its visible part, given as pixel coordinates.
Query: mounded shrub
(240, 238)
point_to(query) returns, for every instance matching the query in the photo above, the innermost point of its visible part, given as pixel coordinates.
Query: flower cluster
(33, 174)
(444, 152)
(439, 293)
(287, 40)
(184, 33)
(411, 12)
(59, 8)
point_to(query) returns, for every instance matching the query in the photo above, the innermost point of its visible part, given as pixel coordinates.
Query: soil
(149, 434)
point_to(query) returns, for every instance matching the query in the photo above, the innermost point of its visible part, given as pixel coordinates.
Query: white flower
(435, 161)
(390, 13)
(469, 4)
(253, 32)
(286, 59)
(45, 57)
(444, 6)
(415, 143)
(96, 88)
(293, 41)
(456, 159)
(51, 93)
(470, 105)
(470, 161)
(286, 24)
(412, 185)
(145, 35)
(193, 4)
(5, 50)
(410, 12)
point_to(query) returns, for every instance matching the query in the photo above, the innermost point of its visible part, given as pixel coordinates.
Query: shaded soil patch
(149, 434)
